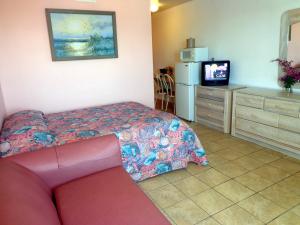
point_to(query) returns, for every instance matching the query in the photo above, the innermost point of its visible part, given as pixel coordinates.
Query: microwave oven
(194, 54)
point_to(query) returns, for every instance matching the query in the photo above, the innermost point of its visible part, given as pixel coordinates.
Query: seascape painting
(81, 34)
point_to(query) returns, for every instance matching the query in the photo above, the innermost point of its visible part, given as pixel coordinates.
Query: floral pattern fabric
(24, 131)
(152, 142)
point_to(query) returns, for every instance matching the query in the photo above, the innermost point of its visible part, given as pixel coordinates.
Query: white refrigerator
(187, 75)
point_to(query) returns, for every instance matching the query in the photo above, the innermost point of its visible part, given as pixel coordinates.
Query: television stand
(213, 106)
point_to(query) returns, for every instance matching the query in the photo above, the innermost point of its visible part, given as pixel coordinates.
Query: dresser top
(227, 87)
(272, 93)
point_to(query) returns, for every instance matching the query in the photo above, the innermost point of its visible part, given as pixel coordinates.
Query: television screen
(215, 72)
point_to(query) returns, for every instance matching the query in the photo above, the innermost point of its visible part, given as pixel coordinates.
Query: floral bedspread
(152, 142)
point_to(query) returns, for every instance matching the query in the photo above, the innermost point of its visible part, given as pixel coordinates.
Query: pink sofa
(81, 183)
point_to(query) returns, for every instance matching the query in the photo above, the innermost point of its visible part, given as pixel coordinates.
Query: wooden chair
(159, 90)
(169, 87)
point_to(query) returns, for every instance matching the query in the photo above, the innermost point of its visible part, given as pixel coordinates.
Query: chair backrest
(169, 84)
(160, 84)
(156, 85)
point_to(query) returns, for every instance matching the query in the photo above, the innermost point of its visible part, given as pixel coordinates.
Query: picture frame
(81, 34)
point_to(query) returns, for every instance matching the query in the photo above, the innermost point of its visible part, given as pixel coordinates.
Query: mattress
(152, 142)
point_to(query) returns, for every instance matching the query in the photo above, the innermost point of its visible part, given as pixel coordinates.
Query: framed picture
(81, 34)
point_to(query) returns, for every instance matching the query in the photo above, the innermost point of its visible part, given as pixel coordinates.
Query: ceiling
(166, 4)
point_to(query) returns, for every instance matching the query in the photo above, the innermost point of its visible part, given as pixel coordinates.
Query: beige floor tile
(229, 141)
(212, 137)
(167, 216)
(264, 156)
(186, 212)
(204, 142)
(274, 152)
(231, 169)
(208, 151)
(176, 175)
(253, 181)
(211, 201)
(206, 136)
(293, 159)
(215, 159)
(245, 148)
(288, 218)
(209, 221)
(291, 183)
(212, 177)
(236, 216)
(271, 173)
(204, 133)
(234, 191)
(166, 196)
(191, 186)
(229, 154)
(194, 168)
(281, 196)
(252, 145)
(296, 210)
(214, 147)
(153, 183)
(287, 165)
(248, 163)
(262, 208)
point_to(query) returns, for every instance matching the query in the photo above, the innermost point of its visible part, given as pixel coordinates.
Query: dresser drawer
(257, 129)
(282, 107)
(210, 104)
(217, 124)
(275, 134)
(250, 100)
(289, 123)
(210, 93)
(210, 114)
(289, 138)
(257, 115)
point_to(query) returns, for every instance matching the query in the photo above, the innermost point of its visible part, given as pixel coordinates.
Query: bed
(152, 142)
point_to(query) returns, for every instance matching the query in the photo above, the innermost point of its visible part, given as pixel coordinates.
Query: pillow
(22, 121)
(24, 131)
(26, 114)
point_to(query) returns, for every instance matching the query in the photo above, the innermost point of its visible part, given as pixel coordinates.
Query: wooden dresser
(268, 117)
(213, 106)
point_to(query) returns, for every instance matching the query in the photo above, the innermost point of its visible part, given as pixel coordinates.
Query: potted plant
(291, 75)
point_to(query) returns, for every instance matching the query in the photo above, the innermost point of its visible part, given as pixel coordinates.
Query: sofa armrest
(60, 164)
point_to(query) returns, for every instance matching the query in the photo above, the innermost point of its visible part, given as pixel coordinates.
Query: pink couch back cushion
(24, 198)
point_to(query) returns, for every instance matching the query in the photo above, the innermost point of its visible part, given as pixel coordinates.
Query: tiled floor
(244, 184)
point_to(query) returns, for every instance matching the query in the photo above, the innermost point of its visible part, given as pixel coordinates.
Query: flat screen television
(215, 73)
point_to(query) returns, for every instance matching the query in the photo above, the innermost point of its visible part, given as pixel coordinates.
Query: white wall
(30, 80)
(294, 45)
(244, 31)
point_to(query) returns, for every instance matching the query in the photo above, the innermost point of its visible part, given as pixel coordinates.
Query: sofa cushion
(24, 198)
(108, 197)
